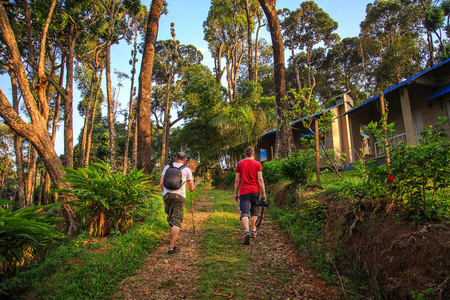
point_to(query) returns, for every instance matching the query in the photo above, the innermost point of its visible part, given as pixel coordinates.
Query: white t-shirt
(186, 174)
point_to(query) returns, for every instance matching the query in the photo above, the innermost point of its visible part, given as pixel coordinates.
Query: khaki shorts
(174, 208)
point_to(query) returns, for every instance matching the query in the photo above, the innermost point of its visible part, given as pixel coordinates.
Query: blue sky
(188, 17)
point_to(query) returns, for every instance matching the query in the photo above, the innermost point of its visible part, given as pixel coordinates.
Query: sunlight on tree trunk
(284, 138)
(144, 95)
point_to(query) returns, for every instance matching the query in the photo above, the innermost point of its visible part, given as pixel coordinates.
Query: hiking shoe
(173, 250)
(247, 238)
(253, 234)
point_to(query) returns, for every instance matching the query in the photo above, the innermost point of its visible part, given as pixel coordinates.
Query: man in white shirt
(174, 200)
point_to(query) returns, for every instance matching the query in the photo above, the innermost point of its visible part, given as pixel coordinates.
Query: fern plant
(105, 200)
(23, 232)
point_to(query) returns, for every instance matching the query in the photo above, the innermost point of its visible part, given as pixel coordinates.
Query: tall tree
(171, 62)
(144, 131)
(113, 8)
(390, 36)
(225, 30)
(137, 24)
(284, 142)
(306, 28)
(36, 132)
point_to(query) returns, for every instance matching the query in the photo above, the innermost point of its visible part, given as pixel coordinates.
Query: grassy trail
(216, 265)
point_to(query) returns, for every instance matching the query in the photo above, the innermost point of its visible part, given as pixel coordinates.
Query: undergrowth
(86, 268)
(303, 221)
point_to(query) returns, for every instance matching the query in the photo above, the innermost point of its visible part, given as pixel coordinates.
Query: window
(263, 154)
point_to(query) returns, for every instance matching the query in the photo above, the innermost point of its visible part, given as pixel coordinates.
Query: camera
(262, 203)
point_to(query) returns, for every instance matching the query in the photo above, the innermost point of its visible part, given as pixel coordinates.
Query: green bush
(298, 167)
(106, 201)
(421, 174)
(229, 178)
(417, 177)
(272, 171)
(23, 233)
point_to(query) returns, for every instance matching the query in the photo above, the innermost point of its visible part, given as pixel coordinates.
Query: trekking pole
(193, 224)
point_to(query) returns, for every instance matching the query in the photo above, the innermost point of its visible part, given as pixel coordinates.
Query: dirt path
(276, 266)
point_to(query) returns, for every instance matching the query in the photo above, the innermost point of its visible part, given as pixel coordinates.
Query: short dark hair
(180, 156)
(249, 151)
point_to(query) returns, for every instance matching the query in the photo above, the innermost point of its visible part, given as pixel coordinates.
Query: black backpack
(172, 178)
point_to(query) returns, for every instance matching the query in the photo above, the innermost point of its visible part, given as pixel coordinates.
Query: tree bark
(113, 11)
(284, 138)
(144, 95)
(130, 108)
(94, 108)
(251, 71)
(88, 113)
(31, 170)
(135, 140)
(36, 133)
(18, 146)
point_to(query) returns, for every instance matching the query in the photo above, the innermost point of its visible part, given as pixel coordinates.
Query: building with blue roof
(413, 104)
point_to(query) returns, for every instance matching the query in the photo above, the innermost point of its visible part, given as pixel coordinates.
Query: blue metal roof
(398, 85)
(440, 91)
(308, 134)
(314, 114)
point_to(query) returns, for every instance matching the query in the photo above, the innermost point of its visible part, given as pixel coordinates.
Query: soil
(166, 276)
(402, 256)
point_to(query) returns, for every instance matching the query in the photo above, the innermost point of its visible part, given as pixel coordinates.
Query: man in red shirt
(250, 181)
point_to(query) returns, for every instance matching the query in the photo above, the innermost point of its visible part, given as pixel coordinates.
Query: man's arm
(237, 182)
(190, 184)
(161, 185)
(262, 188)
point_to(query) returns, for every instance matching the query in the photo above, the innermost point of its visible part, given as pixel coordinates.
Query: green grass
(77, 270)
(223, 262)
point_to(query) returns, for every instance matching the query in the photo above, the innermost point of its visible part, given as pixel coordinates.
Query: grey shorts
(174, 208)
(247, 205)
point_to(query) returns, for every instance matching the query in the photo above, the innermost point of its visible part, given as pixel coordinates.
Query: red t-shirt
(249, 168)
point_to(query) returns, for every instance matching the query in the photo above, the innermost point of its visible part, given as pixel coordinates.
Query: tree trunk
(251, 71)
(91, 128)
(113, 10)
(144, 95)
(88, 112)
(130, 108)
(29, 191)
(18, 146)
(297, 72)
(36, 133)
(135, 140)
(284, 139)
(256, 66)
(112, 135)
(41, 181)
(68, 102)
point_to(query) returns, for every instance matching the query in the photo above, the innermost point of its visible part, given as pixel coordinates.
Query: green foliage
(272, 171)
(105, 200)
(417, 178)
(91, 268)
(298, 167)
(229, 178)
(422, 173)
(23, 233)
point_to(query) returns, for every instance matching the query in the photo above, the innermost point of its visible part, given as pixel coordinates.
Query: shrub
(298, 167)
(229, 178)
(105, 200)
(272, 171)
(23, 232)
(417, 177)
(420, 175)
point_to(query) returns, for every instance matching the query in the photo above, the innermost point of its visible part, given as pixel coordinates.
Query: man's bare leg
(174, 231)
(245, 223)
(254, 219)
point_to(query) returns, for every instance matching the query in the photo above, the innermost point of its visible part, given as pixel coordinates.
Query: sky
(188, 17)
